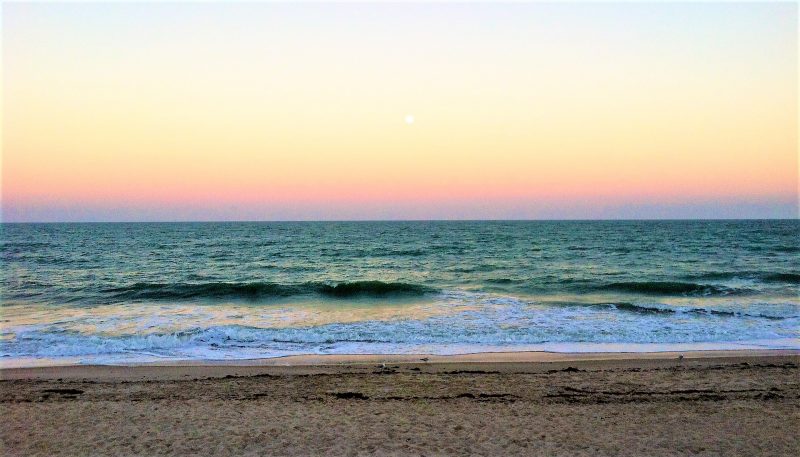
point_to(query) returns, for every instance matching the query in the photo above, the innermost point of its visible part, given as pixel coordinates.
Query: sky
(210, 111)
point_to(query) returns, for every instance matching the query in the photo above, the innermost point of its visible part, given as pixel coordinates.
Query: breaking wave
(641, 309)
(265, 290)
(671, 288)
(768, 277)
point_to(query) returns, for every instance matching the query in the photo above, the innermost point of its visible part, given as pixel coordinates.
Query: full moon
(409, 119)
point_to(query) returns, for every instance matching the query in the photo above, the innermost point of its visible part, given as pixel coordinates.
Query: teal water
(128, 292)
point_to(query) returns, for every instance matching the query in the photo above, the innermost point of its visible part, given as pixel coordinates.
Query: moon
(409, 119)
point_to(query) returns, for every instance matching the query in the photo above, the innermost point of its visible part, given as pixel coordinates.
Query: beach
(704, 403)
(400, 229)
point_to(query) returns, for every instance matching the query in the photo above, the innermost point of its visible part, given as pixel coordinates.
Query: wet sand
(710, 403)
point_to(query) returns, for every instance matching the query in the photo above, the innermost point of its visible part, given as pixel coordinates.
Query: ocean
(141, 292)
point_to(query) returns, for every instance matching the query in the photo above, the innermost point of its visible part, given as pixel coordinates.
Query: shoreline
(532, 353)
(321, 363)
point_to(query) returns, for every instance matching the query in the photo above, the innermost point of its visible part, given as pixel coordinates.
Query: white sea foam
(454, 322)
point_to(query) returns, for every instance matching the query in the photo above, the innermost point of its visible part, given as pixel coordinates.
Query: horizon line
(242, 221)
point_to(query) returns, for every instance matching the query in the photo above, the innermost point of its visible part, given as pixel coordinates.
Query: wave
(372, 289)
(770, 312)
(264, 290)
(478, 268)
(26, 244)
(641, 309)
(502, 280)
(398, 253)
(670, 288)
(792, 278)
(770, 277)
(630, 307)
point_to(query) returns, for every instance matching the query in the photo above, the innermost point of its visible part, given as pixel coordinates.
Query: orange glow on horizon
(308, 104)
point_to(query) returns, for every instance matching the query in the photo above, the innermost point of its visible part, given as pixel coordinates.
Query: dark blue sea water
(133, 292)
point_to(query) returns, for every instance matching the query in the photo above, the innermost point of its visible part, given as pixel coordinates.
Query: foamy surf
(453, 322)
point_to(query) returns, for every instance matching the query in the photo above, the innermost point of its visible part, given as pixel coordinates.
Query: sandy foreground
(708, 403)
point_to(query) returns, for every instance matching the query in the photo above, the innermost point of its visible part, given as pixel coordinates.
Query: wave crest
(641, 309)
(264, 290)
(372, 289)
(670, 288)
(768, 277)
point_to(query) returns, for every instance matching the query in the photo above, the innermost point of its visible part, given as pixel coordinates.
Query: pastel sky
(248, 111)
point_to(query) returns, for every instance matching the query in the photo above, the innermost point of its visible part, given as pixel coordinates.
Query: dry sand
(713, 403)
